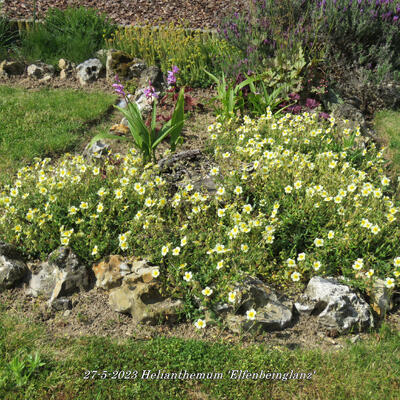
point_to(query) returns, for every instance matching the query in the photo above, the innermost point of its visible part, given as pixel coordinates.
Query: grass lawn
(387, 125)
(44, 123)
(367, 370)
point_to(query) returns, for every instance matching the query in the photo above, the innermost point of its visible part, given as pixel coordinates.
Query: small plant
(147, 138)
(75, 34)
(7, 37)
(230, 98)
(23, 366)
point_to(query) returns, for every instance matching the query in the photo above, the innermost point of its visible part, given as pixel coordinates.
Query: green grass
(44, 123)
(367, 370)
(387, 125)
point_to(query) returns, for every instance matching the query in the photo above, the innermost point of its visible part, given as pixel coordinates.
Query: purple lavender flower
(150, 92)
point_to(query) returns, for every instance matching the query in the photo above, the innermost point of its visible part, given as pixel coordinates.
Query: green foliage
(145, 138)
(75, 34)
(229, 97)
(8, 37)
(365, 34)
(173, 44)
(372, 367)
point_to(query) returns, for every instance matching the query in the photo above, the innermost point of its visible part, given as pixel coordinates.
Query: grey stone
(60, 275)
(89, 71)
(61, 304)
(12, 267)
(381, 298)
(271, 313)
(39, 70)
(152, 74)
(96, 150)
(12, 67)
(335, 305)
(144, 104)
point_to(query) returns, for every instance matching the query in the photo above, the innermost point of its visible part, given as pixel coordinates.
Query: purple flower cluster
(150, 92)
(171, 79)
(119, 88)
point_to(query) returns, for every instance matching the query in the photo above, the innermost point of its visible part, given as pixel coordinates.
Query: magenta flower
(119, 88)
(171, 80)
(150, 92)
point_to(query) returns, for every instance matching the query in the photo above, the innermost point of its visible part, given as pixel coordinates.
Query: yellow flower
(389, 283)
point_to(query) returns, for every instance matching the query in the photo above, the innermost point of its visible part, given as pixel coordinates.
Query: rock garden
(238, 190)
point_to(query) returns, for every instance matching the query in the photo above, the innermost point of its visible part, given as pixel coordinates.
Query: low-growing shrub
(363, 33)
(75, 34)
(173, 44)
(294, 199)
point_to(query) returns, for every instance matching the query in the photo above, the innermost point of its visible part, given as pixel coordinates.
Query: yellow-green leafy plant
(175, 44)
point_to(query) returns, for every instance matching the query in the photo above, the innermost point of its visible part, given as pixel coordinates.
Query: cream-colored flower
(232, 297)
(187, 276)
(251, 314)
(207, 291)
(295, 276)
(200, 324)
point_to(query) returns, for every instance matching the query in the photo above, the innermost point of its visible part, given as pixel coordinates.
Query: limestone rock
(152, 74)
(109, 273)
(381, 298)
(89, 71)
(139, 296)
(271, 313)
(12, 67)
(40, 70)
(144, 303)
(120, 130)
(336, 305)
(144, 104)
(67, 68)
(96, 150)
(61, 275)
(122, 64)
(12, 267)
(61, 304)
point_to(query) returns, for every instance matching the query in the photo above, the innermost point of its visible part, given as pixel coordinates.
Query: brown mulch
(200, 14)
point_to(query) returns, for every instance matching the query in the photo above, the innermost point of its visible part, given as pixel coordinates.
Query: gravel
(199, 14)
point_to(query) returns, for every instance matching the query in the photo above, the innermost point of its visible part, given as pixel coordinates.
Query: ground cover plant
(296, 200)
(74, 34)
(39, 124)
(368, 369)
